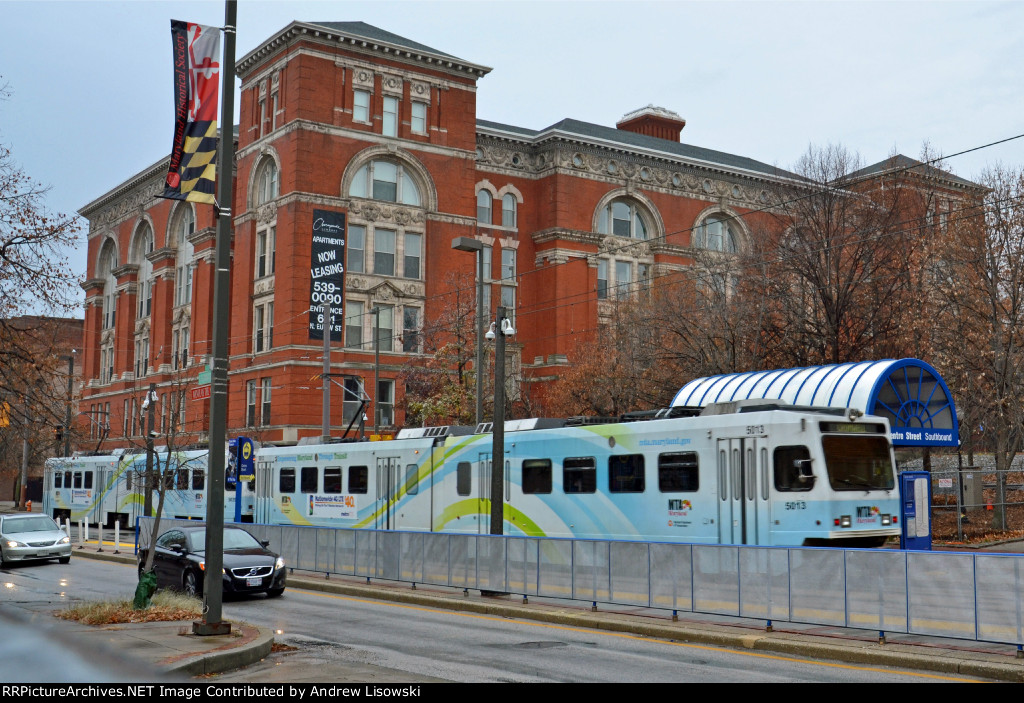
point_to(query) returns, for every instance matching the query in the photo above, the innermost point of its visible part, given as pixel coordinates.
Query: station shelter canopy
(908, 392)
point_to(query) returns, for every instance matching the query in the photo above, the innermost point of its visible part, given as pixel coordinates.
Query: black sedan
(249, 567)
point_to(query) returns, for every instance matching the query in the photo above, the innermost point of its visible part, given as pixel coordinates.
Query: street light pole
(67, 414)
(375, 311)
(502, 328)
(469, 244)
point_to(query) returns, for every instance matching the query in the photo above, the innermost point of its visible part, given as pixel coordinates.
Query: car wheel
(190, 584)
(274, 592)
(64, 560)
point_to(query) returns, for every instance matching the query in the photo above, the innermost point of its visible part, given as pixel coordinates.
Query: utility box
(916, 510)
(974, 499)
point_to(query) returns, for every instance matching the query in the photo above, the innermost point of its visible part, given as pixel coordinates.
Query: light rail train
(733, 473)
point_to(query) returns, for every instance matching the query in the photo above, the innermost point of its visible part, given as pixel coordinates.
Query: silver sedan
(26, 537)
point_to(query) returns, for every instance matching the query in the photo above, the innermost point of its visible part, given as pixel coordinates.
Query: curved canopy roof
(908, 392)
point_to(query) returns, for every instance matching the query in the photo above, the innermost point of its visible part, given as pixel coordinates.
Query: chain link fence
(975, 502)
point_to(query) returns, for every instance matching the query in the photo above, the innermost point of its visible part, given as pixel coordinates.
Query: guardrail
(948, 594)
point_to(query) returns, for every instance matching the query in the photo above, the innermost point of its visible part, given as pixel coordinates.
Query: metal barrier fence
(960, 595)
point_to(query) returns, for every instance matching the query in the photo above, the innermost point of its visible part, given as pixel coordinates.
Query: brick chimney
(653, 122)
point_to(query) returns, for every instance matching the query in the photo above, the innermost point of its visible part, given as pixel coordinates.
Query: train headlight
(886, 519)
(845, 521)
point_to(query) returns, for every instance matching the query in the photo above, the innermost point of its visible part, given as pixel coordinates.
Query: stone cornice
(302, 31)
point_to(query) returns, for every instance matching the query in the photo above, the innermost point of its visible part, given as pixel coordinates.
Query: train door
(483, 494)
(742, 492)
(389, 481)
(264, 492)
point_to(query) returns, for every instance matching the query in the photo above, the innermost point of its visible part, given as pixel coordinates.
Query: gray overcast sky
(91, 84)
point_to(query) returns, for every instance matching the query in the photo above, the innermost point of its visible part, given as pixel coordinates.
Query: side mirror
(180, 549)
(804, 473)
(265, 543)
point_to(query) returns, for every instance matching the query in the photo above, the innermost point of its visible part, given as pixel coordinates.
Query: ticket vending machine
(915, 510)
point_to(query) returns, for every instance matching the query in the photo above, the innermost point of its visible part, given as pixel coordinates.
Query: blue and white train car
(765, 474)
(108, 488)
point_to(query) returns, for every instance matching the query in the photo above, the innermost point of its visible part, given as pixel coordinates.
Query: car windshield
(233, 539)
(36, 523)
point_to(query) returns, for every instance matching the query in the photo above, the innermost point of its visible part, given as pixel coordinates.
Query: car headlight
(202, 567)
(11, 543)
(279, 564)
(64, 540)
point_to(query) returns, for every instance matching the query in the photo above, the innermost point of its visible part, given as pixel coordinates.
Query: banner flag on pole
(192, 175)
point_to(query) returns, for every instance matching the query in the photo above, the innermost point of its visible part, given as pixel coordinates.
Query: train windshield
(858, 462)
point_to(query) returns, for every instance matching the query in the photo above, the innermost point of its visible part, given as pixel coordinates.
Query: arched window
(385, 180)
(508, 210)
(107, 264)
(484, 207)
(716, 233)
(622, 218)
(267, 186)
(142, 246)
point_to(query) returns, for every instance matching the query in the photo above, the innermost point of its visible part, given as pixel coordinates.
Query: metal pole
(376, 365)
(213, 587)
(67, 414)
(325, 430)
(470, 244)
(498, 431)
(151, 480)
(479, 336)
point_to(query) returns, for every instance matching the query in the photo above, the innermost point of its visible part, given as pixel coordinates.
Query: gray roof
(361, 29)
(901, 162)
(590, 132)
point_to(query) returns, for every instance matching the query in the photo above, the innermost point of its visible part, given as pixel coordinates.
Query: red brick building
(347, 118)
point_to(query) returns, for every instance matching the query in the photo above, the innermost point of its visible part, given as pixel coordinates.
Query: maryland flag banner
(193, 172)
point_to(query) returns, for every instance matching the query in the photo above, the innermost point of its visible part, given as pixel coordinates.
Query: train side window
(169, 479)
(182, 483)
(786, 462)
(310, 479)
(537, 476)
(88, 479)
(332, 479)
(198, 479)
(128, 473)
(78, 479)
(412, 479)
(286, 480)
(464, 478)
(579, 474)
(358, 479)
(678, 471)
(67, 479)
(626, 473)
(57, 475)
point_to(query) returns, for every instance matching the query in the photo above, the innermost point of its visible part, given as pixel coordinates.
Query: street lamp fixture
(470, 244)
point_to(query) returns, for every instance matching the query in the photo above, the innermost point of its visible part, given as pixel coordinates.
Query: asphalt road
(332, 637)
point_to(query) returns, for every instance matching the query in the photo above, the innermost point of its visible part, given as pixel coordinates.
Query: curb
(256, 645)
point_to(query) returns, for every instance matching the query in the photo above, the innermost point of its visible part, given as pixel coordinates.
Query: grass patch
(167, 606)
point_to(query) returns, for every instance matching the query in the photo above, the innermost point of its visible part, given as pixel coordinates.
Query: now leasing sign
(327, 274)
